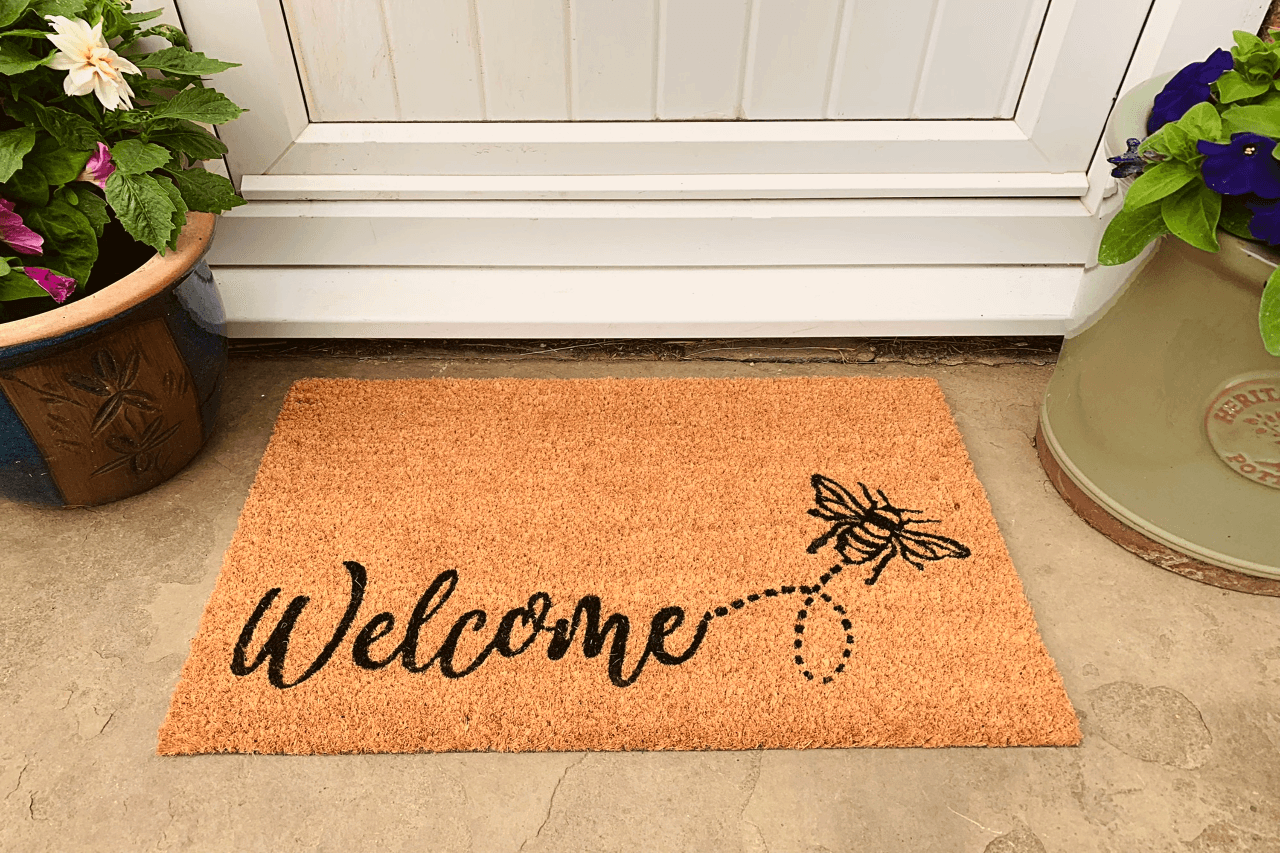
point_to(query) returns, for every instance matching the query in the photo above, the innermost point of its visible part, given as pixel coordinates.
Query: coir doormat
(434, 565)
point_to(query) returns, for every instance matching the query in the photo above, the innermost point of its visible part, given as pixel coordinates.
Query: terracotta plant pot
(109, 395)
(1161, 425)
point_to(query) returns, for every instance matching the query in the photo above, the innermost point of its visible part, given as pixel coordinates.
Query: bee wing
(931, 546)
(834, 501)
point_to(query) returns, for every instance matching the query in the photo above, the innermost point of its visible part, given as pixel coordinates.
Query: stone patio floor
(1177, 685)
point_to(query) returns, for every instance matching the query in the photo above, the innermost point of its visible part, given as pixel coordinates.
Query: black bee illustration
(871, 528)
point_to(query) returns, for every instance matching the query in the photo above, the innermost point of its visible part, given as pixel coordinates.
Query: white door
(477, 168)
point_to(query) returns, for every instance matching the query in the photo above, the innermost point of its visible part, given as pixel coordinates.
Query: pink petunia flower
(14, 232)
(99, 167)
(59, 286)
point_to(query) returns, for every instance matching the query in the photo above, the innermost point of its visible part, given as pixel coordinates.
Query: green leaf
(134, 157)
(68, 128)
(17, 285)
(1253, 118)
(166, 31)
(159, 89)
(1202, 122)
(1260, 67)
(1235, 217)
(143, 208)
(189, 139)
(179, 209)
(1129, 232)
(1247, 42)
(28, 184)
(1158, 181)
(1192, 215)
(58, 164)
(1269, 314)
(5, 267)
(67, 8)
(179, 60)
(31, 34)
(11, 10)
(71, 235)
(204, 105)
(141, 17)
(22, 113)
(1233, 87)
(114, 22)
(92, 205)
(134, 119)
(15, 60)
(1271, 99)
(1174, 142)
(205, 191)
(14, 146)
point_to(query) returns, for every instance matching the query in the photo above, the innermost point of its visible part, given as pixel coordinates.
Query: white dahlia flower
(91, 66)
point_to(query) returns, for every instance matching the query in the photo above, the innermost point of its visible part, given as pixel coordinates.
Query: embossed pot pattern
(110, 395)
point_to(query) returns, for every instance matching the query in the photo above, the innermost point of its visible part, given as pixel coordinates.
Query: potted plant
(112, 346)
(1161, 424)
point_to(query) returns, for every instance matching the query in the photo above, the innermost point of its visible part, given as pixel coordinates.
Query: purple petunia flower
(1242, 166)
(1189, 87)
(13, 231)
(58, 286)
(99, 167)
(1265, 224)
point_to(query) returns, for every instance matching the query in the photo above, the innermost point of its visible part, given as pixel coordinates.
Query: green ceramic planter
(1161, 424)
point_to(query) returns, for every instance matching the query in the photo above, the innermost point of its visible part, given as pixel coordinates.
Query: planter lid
(138, 286)
(1129, 116)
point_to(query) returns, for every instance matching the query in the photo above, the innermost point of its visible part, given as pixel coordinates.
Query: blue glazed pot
(110, 395)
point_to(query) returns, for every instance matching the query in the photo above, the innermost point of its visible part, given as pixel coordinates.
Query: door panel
(611, 60)
(615, 61)
(700, 58)
(978, 54)
(789, 58)
(360, 87)
(862, 86)
(430, 42)
(523, 60)
(546, 74)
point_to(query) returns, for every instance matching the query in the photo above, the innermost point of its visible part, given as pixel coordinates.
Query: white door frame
(1080, 57)
(337, 240)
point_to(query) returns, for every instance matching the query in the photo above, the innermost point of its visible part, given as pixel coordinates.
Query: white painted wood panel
(444, 187)
(701, 58)
(978, 51)
(436, 60)
(663, 148)
(525, 61)
(639, 303)
(615, 63)
(656, 233)
(864, 86)
(344, 59)
(554, 60)
(789, 66)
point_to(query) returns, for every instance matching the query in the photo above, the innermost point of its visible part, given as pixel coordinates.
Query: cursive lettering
(517, 632)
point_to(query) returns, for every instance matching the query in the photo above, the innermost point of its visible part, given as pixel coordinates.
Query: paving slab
(1177, 685)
